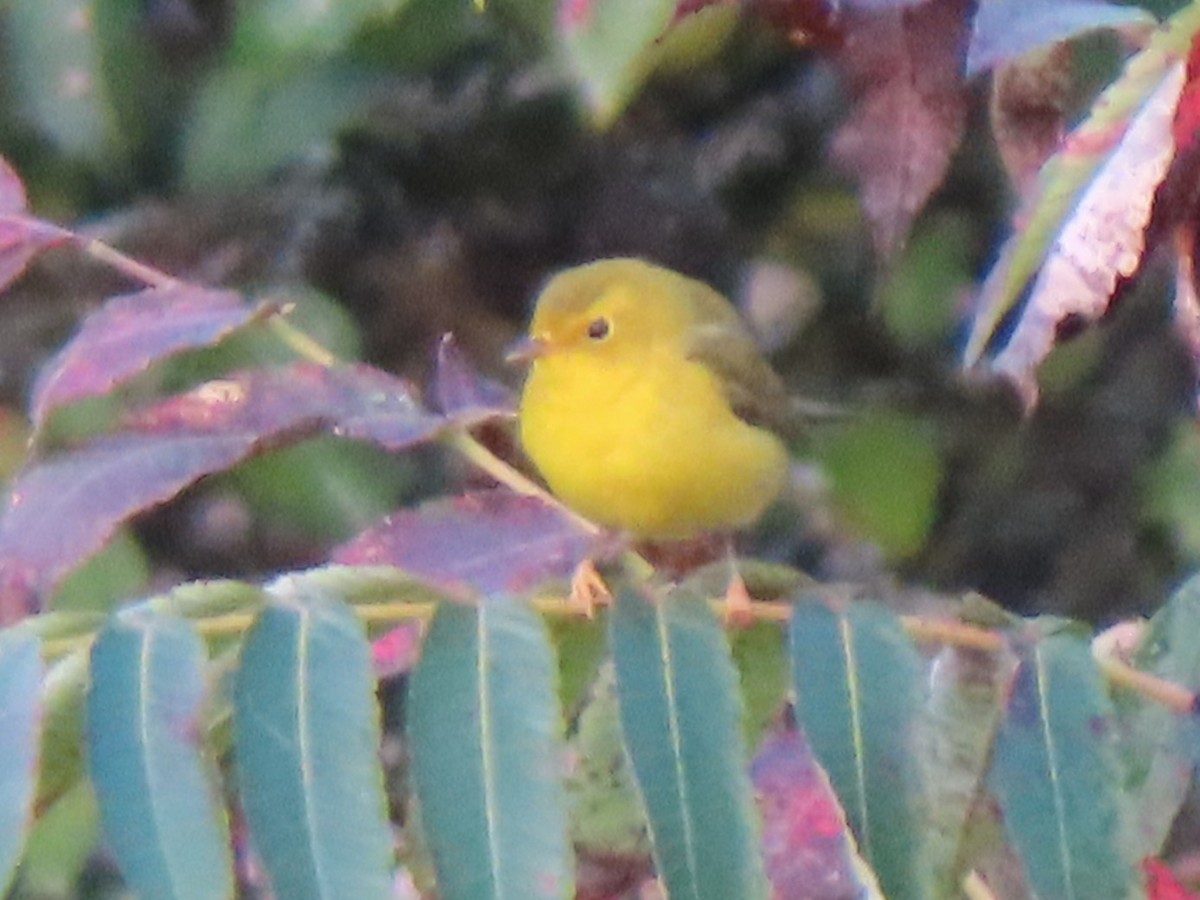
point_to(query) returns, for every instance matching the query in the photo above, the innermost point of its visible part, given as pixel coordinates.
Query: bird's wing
(720, 341)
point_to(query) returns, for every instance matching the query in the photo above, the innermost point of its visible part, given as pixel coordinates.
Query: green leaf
(63, 691)
(52, 49)
(249, 121)
(760, 653)
(1055, 773)
(857, 680)
(604, 43)
(20, 724)
(273, 28)
(157, 791)
(886, 471)
(306, 740)
(682, 719)
(580, 648)
(484, 726)
(60, 845)
(1157, 747)
(963, 715)
(608, 820)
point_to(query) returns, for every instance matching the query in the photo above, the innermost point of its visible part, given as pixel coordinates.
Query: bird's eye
(598, 329)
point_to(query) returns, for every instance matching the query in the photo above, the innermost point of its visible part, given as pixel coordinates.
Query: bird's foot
(588, 588)
(738, 613)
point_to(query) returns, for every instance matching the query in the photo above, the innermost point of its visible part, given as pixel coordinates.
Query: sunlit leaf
(1102, 240)
(306, 737)
(682, 719)
(131, 332)
(1068, 174)
(857, 680)
(1055, 773)
(488, 541)
(487, 763)
(20, 727)
(158, 794)
(809, 850)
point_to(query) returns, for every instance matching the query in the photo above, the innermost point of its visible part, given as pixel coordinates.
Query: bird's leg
(588, 588)
(737, 595)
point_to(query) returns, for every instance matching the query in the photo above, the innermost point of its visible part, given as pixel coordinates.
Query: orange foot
(737, 602)
(588, 588)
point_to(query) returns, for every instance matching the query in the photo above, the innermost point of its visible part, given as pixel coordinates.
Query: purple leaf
(130, 333)
(61, 511)
(806, 841)
(463, 393)
(21, 238)
(12, 192)
(490, 542)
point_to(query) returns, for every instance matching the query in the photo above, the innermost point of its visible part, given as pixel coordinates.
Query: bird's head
(611, 309)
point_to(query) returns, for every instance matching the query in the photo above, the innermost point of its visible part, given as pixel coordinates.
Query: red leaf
(130, 333)
(806, 842)
(1187, 114)
(12, 192)
(487, 542)
(904, 68)
(462, 392)
(61, 511)
(1161, 883)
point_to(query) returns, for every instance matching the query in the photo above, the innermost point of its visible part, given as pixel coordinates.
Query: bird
(647, 406)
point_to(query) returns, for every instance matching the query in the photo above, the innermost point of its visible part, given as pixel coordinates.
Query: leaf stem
(1173, 696)
(465, 443)
(126, 265)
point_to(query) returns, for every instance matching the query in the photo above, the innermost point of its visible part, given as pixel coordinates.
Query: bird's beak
(526, 350)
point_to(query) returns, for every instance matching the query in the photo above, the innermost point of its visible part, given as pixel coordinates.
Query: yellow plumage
(647, 404)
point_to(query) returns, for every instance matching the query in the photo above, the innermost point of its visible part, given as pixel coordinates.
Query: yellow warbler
(647, 407)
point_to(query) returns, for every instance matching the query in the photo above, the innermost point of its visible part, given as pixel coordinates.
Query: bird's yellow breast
(647, 443)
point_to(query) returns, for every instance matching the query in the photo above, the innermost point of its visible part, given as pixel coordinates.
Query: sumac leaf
(158, 795)
(809, 849)
(20, 726)
(489, 541)
(904, 68)
(681, 716)
(1055, 775)
(12, 191)
(462, 392)
(858, 687)
(306, 743)
(61, 511)
(129, 333)
(483, 723)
